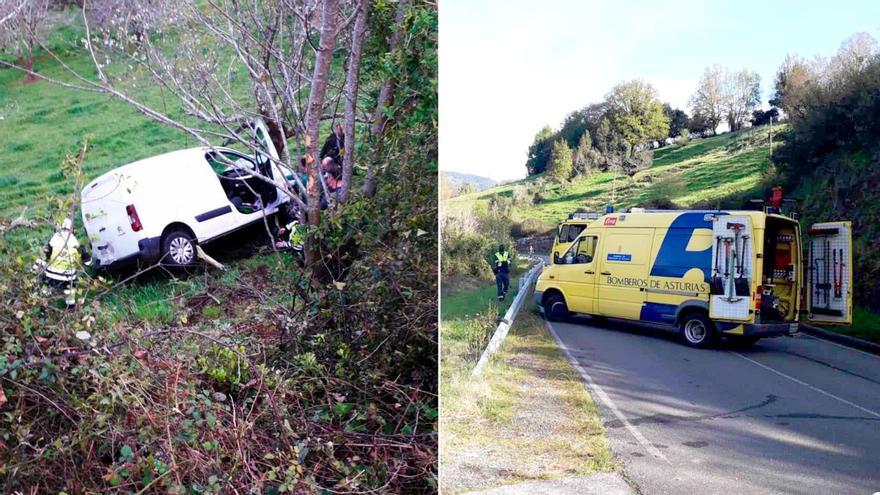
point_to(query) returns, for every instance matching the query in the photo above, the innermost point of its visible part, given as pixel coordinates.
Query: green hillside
(725, 168)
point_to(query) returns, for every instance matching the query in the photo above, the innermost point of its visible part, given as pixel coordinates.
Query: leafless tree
(20, 29)
(742, 94)
(709, 99)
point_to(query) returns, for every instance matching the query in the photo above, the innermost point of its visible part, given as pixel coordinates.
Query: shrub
(529, 227)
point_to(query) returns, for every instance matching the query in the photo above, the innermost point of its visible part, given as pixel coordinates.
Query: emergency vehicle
(741, 274)
(568, 231)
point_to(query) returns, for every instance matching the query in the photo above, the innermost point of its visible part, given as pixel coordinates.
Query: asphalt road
(791, 415)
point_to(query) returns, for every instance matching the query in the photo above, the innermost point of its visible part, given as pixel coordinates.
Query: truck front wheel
(555, 308)
(697, 330)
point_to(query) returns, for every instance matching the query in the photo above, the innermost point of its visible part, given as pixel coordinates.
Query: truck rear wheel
(178, 249)
(555, 308)
(697, 330)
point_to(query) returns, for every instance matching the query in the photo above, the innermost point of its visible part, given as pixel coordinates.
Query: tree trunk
(351, 94)
(313, 118)
(29, 59)
(379, 118)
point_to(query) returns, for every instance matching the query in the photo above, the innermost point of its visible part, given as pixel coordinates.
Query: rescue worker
(290, 237)
(501, 267)
(63, 256)
(334, 146)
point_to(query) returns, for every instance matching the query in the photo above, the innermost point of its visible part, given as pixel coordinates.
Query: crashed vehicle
(160, 208)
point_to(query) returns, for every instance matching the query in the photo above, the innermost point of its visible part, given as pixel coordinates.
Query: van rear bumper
(148, 253)
(770, 329)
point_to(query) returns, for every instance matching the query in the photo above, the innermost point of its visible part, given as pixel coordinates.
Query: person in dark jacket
(501, 268)
(334, 146)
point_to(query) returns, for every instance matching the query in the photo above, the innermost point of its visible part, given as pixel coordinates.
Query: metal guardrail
(525, 282)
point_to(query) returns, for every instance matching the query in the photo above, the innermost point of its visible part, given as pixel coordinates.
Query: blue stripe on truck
(673, 259)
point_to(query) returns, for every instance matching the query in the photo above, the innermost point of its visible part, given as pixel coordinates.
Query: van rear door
(732, 268)
(106, 218)
(829, 265)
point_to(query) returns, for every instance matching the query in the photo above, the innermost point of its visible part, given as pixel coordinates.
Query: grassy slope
(498, 428)
(703, 170)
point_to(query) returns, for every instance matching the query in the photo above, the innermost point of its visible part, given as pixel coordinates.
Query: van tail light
(758, 292)
(133, 218)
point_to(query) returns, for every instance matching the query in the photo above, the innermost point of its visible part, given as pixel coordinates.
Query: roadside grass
(528, 416)
(866, 325)
(699, 172)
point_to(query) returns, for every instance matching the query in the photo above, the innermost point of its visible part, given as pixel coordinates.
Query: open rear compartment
(779, 280)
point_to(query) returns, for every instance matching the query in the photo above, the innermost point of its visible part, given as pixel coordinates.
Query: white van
(159, 208)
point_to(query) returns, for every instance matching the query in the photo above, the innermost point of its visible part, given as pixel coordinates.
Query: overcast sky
(508, 67)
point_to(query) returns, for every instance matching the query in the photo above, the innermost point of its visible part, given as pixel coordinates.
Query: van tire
(178, 249)
(697, 330)
(555, 308)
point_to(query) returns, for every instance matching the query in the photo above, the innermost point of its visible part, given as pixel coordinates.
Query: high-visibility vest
(502, 258)
(64, 256)
(295, 235)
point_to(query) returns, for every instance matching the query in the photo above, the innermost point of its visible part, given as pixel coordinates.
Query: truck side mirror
(555, 258)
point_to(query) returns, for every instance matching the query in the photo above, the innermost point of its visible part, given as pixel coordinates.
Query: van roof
(172, 165)
(170, 160)
(665, 219)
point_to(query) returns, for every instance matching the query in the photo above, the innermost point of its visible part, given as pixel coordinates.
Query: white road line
(841, 345)
(600, 393)
(811, 387)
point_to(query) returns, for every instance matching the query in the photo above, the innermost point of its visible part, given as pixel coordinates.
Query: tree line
(830, 155)
(619, 133)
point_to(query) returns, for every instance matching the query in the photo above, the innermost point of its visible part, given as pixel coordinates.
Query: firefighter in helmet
(63, 257)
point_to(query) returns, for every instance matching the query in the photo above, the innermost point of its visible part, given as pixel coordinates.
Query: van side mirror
(555, 258)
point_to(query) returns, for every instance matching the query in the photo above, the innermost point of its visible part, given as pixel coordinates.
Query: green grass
(527, 390)
(866, 325)
(699, 172)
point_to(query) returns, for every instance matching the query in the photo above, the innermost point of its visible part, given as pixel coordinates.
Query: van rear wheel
(178, 249)
(697, 330)
(555, 308)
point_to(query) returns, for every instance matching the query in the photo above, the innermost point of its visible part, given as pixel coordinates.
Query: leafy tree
(699, 123)
(678, 120)
(635, 112)
(580, 121)
(710, 99)
(761, 117)
(742, 95)
(560, 166)
(539, 151)
(585, 158)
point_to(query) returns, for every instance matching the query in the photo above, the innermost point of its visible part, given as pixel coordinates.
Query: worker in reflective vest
(63, 258)
(290, 237)
(501, 267)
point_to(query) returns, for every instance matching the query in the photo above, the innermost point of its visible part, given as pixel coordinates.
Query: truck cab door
(829, 265)
(732, 270)
(575, 274)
